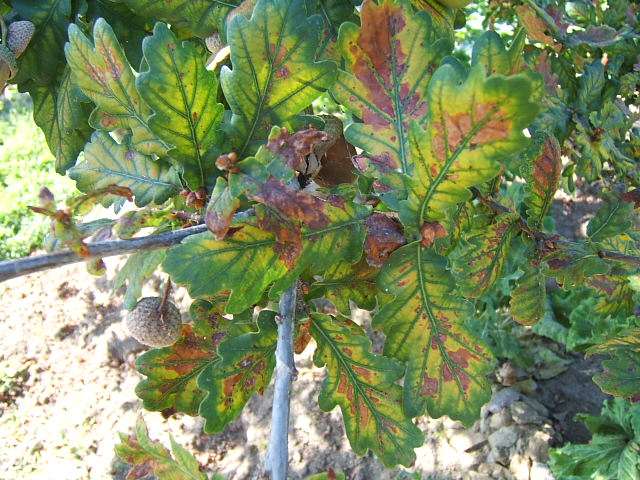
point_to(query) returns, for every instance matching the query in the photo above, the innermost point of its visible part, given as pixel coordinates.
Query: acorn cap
(147, 324)
(8, 61)
(19, 35)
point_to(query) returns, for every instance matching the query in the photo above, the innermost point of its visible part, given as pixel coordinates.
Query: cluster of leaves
(423, 233)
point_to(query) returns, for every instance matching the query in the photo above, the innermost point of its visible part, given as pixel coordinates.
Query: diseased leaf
(491, 52)
(474, 125)
(150, 456)
(389, 62)
(333, 13)
(172, 372)
(182, 95)
(612, 218)
(541, 169)
(571, 264)
(621, 375)
(529, 299)
(58, 112)
(245, 367)
(43, 57)
(344, 282)
(220, 209)
(274, 76)
(446, 363)
(108, 163)
(478, 260)
(102, 72)
(616, 295)
(364, 386)
(138, 267)
(194, 17)
(384, 236)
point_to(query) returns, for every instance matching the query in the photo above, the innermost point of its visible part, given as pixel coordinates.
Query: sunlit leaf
(479, 258)
(541, 169)
(151, 457)
(474, 125)
(274, 76)
(101, 70)
(389, 62)
(108, 163)
(364, 386)
(182, 95)
(134, 272)
(491, 52)
(245, 367)
(446, 364)
(529, 299)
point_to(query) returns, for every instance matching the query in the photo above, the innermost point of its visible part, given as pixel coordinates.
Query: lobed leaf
(364, 386)
(474, 125)
(108, 163)
(102, 72)
(616, 297)
(529, 299)
(182, 94)
(541, 169)
(478, 260)
(245, 367)
(333, 13)
(274, 76)
(612, 218)
(424, 324)
(491, 52)
(138, 267)
(389, 61)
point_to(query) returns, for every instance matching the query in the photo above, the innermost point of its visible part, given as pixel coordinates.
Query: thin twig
(24, 266)
(277, 458)
(620, 257)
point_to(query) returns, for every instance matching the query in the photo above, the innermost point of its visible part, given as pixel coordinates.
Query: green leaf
(541, 169)
(199, 18)
(612, 218)
(182, 94)
(474, 125)
(152, 457)
(344, 282)
(43, 57)
(245, 367)
(424, 324)
(333, 13)
(274, 76)
(621, 375)
(134, 272)
(364, 386)
(592, 83)
(107, 163)
(58, 112)
(616, 295)
(478, 260)
(529, 299)
(172, 372)
(491, 52)
(572, 263)
(389, 62)
(104, 75)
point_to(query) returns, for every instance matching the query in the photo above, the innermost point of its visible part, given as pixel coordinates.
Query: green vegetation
(26, 165)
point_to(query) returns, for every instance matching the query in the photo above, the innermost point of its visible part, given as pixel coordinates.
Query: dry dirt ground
(66, 370)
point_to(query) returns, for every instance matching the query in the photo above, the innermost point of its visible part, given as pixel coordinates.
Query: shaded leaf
(104, 75)
(616, 295)
(182, 95)
(58, 112)
(621, 375)
(220, 209)
(108, 163)
(478, 260)
(43, 57)
(528, 302)
(612, 218)
(150, 456)
(474, 125)
(491, 52)
(541, 169)
(138, 267)
(333, 13)
(245, 367)
(389, 62)
(364, 386)
(424, 324)
(274, 76)
(572, 263)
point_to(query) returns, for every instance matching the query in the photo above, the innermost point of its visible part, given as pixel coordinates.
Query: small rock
(502, 398)
(528, 385)
(521, 414)
(520, 467)
(477, 476)
(540, 471)
(535, 405)
(500, 419)
(465, 440)
(503, 438)
(538, 447)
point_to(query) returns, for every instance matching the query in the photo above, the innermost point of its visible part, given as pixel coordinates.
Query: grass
(26, 165)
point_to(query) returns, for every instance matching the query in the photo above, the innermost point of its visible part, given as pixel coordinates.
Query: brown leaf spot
(430, 386)
(384, 236)
(230, 383)
(297, 147)
(430, 231)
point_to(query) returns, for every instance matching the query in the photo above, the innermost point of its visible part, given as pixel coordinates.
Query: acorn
(19, 35)
(148, 324)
